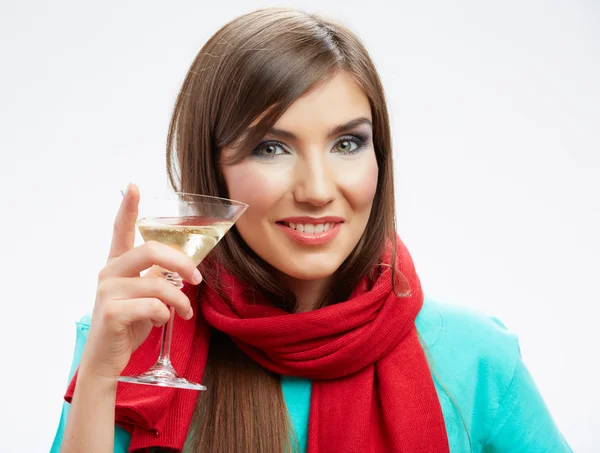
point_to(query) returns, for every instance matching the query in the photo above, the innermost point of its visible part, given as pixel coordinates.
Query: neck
(308, 292)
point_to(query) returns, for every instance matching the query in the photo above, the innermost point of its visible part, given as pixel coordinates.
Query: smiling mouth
(310, 228)
(311, 234)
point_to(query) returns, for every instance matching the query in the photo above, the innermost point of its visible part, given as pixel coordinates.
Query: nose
(314, 181)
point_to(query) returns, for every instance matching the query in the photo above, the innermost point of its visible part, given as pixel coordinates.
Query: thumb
(124, 227)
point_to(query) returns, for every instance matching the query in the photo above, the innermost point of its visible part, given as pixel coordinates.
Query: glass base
(162, 377)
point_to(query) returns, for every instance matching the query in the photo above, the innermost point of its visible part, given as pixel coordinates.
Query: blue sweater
(474, 360)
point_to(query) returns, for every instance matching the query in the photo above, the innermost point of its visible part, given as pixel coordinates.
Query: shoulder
(468, 335)
(82, 328)
(122, 437)
(473, 357)
(85, 321)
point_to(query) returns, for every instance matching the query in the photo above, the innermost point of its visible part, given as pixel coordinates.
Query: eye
(345, 146)
(268, 150)
(349, 145)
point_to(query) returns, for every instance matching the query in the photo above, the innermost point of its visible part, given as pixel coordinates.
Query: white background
(495, 114)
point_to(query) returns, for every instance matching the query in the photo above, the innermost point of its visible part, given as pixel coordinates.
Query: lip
(312, 220)
(310, 238)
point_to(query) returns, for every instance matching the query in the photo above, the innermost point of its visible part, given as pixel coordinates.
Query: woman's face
(310, 183)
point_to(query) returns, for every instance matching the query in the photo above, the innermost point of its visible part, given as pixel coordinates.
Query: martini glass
(192, 224)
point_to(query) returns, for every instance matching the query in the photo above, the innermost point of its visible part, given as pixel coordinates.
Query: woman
(324, 345)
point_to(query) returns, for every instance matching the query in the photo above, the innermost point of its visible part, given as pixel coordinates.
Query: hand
(127, 305)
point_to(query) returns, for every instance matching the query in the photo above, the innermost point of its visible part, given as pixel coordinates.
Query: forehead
(334, 102)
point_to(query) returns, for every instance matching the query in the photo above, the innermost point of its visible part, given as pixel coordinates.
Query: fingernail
(197, 276)
(190, 314)
(126, 191)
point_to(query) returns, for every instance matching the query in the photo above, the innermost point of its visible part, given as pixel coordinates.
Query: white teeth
(311, 228)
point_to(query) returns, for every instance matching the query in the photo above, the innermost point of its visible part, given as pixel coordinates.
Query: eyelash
(359, 139)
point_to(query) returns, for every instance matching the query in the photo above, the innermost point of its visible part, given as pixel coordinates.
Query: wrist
(96, 378)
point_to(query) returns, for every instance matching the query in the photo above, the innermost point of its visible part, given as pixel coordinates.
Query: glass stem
(164, 359)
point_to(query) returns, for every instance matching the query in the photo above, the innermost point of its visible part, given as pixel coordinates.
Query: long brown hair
(251, 71)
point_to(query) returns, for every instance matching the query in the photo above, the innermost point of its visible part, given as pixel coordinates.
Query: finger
(150, 254)
(127, 312)
(140, 288)
(124, 227)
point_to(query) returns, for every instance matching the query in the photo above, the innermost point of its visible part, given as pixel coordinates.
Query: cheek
(259, 186)
(359, 181)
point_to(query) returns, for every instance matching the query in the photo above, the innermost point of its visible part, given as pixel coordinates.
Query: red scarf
(372, 389)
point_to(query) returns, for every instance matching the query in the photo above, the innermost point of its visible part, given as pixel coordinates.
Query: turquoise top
(473, 358)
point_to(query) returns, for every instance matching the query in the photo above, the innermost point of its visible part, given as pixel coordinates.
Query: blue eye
(350, 144)
(268, 150)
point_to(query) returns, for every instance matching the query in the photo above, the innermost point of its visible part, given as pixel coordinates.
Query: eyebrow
(283, 134)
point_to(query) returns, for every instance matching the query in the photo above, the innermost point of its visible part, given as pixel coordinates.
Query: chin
(309, 272)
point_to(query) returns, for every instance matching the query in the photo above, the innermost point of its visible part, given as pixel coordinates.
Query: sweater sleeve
(523, 423)
(122, 437)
